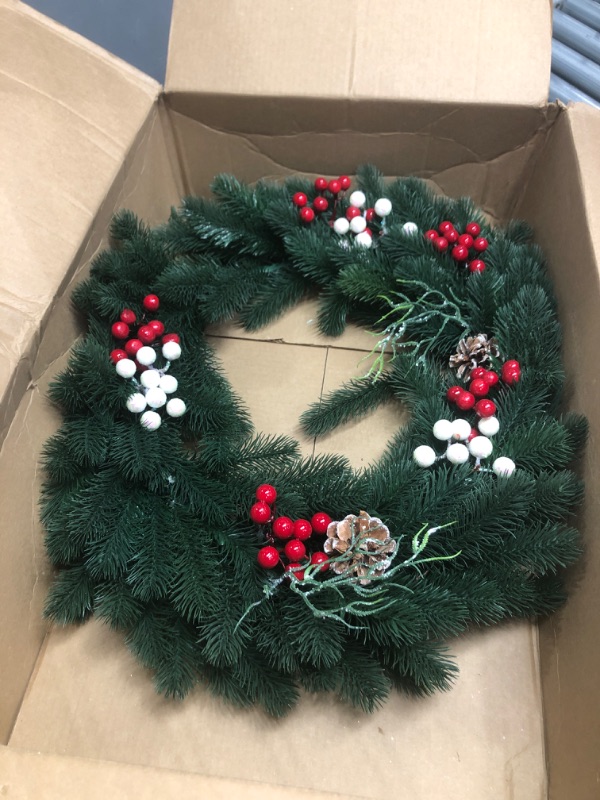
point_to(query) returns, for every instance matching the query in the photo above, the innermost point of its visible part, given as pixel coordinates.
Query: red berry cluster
(296, 532)
(147, 331)
(482, 380)
(463, 243)
(321, 203)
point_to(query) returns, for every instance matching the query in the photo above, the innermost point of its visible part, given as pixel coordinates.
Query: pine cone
(474, 351)
(366, 543)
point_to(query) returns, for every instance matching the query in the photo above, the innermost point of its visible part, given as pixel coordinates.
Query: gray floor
(135, 30)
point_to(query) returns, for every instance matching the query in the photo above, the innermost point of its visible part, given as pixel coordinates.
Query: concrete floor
(135, 30)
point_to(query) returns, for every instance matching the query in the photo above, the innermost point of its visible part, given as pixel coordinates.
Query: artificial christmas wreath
(226, 557)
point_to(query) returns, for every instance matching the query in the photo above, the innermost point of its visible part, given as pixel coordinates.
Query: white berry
(358, 224)
(146, 356)
(150, 378)
(136, 403)
(383, 207)
(461, 430)
(358, 199)
(176, 407)
(410, 228)
(341, 226)
(489, 426)
(363, 239)
(169, 384)
(442, 430)
(480, 447)
(150, 420)
(457, 454)
(155, 397)
(504, 467)
(424, 455)
(171, 351)
(126, 368)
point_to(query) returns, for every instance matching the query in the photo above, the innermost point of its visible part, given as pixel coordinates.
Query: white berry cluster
(153, 386)
(357, 218)
(464, 442)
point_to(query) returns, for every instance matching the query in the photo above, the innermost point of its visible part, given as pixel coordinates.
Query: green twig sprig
(370, 599)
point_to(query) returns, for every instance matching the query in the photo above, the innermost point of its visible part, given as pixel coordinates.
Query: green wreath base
(150, 531)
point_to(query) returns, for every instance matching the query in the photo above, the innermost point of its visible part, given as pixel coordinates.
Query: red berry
(369, 232)
(492, 378)
(296, 573)
(260, 513)
(321, 184)
(452, 236)
(431, 235)
(320, 204)
(268, 557)
(146, 334)
(466, 240)
(266, 493)
(511, 376)
(511, 365)
(127, 316)
(370, 214)
(157, 327)
(453, 393)
(335, 187)
(141, 367)
(441, 244)
(465, 401)
(117, 355)
(151, 302)
(295, 550)
(302, 529)
(120, 330)
(345, 182)
(480, 244)
(170, 337)
(445, 226)
(320, 522)
(320, 558)
(473, 434)
(352, 212)
(485, 408)
(477, 265)
(460, 253)
(473, 229)
(479, 387)
(132, 346)
(283, 527)
(300, 199)
(307, 215)
(478, 372)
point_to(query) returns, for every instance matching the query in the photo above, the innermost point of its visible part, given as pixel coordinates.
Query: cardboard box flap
(585, 129)
(464, 51)
(27, 776)
(70, 114)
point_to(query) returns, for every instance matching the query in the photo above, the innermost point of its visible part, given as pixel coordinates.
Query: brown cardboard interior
(562, 202)
(81, 699)
(485, 148)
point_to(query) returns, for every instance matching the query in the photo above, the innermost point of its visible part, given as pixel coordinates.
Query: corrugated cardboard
(70, 114)
(563, 202)
(78, 713)
(462, 51)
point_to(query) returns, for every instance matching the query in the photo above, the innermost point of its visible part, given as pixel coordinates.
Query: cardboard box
(268, 89)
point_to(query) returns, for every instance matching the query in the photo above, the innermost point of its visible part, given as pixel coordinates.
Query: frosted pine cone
(473, 351)
(366, 544)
